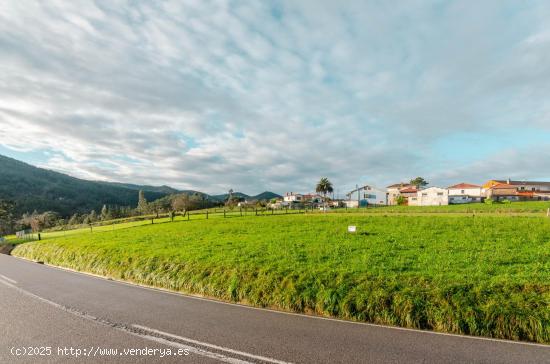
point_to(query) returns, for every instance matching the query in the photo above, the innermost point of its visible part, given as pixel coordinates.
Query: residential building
(502, 191)
(517, 190)
(293, 197)
(395, 190)
(366, 196)
(465, 193)
(432, 196)
(313, 198)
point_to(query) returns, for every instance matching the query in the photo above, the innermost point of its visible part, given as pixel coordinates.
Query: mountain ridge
(34, 188)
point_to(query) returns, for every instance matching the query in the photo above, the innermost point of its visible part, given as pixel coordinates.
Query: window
(462, 191)
(424, 194)
(413, 198)
(440, 193)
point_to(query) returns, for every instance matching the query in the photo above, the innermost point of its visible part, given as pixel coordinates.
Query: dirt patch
(6, 248)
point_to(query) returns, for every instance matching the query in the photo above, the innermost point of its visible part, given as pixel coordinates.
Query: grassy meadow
(479, 275)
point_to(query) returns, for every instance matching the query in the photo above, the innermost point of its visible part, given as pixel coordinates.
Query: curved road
(71, 317)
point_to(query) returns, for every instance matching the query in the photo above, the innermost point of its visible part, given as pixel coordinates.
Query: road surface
(82, 318)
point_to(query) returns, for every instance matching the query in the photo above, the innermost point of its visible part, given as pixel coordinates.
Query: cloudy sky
(260, 95)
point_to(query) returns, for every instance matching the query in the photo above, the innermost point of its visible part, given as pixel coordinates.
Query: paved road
(42, 306)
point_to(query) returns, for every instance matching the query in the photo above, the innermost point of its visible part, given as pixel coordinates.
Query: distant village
(417, 195)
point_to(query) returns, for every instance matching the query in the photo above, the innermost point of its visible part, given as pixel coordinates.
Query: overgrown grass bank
(485, 275)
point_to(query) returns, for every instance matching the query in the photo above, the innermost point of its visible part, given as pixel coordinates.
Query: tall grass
(482, 275)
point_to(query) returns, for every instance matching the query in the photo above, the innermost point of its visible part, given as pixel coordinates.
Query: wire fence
(112, 225)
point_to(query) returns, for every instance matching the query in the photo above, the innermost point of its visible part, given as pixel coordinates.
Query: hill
(162, 189)
(267, 195)
(33, 188)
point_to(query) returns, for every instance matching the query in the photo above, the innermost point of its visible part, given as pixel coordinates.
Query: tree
(419, 182)
(74, 220)
(6, 217)
(92, 217)
(180, 202)
(105, 213)
(142, 203)
(400, 200)
(324, 186)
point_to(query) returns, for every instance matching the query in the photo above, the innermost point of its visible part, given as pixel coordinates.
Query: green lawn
(482, 275)
(496, 208)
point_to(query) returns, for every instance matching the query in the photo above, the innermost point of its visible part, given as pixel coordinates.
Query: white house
(465, 193)
(293, 197)
(432, 196)
(366, 196)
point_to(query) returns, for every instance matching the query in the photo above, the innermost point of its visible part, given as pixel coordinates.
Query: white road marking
(8, 279)
(216, 347)
(194, 350)
(313, 317)
(191, 349)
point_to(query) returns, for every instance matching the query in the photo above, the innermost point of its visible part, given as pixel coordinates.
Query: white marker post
(352, 229)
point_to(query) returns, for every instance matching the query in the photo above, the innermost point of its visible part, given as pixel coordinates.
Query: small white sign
(352, 229)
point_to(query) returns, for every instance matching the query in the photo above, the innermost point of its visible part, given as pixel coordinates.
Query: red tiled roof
(503, 186)
(408, 190)
(462, 186)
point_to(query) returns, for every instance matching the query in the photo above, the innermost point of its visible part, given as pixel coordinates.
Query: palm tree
(324, 186)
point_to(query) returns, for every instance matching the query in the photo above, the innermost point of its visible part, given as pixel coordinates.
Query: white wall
(291, 197)
(465, 191)
(433, 196)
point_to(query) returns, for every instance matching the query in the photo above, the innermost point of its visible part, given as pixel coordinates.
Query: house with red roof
(400, 189)
(465, 193)
(517, 190)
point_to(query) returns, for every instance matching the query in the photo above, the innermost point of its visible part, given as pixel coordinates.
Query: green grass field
(484, 275)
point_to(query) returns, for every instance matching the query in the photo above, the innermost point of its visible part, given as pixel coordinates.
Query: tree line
(171, 204)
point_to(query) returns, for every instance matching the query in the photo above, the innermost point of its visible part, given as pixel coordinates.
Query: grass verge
(482, 275)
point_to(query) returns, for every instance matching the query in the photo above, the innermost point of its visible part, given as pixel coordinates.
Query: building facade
(399, 189)
(366, 196)
(465, 193)
(432, 196)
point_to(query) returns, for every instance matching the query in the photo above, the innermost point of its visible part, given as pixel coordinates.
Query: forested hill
(33, 188)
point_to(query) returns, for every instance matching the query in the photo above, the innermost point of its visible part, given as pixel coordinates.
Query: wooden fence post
(241, 211)
(207, 214)
(256, 210)
(188, 216)
(224, 213)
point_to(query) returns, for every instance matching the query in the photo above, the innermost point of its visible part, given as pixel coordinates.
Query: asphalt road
(45, 307)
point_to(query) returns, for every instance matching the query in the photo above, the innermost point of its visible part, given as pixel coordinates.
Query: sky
(260, 95)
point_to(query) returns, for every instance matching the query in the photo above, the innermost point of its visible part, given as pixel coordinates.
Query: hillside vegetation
(483, 275)
(33, 188)
(39, 189)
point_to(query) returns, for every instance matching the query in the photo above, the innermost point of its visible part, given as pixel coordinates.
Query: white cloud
(254, 96)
